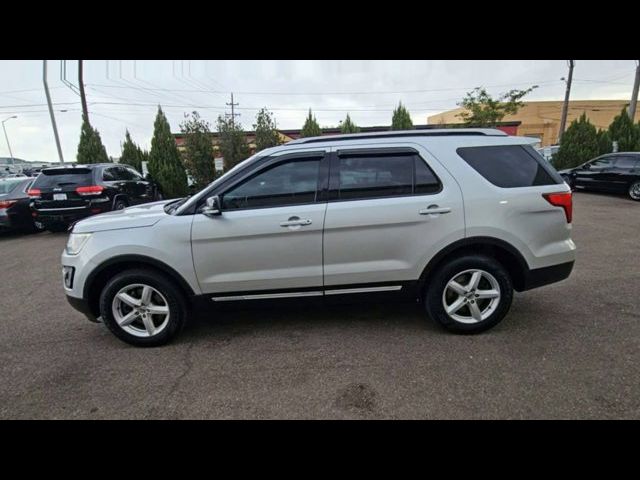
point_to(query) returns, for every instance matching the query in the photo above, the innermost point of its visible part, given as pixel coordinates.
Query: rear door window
(626, 163)
(64, 177)
(510, 166)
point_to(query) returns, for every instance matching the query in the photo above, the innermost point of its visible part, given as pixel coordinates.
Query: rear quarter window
(510, 166)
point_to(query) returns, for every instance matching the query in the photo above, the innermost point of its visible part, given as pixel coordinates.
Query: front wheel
(143, 307)
(469, 295)
(634, 191)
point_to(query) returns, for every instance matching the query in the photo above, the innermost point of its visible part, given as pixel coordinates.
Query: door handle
(295, 222)
(434, 209)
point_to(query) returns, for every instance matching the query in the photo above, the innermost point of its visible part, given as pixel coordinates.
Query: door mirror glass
(212, 206)
(586, 166)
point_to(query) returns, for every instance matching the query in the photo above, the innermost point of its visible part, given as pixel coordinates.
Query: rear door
(390, 209)
(624, 172)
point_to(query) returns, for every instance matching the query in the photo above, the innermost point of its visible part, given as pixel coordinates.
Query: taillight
(91, 190)
(33, 192)
(7, 203)
(563, 200)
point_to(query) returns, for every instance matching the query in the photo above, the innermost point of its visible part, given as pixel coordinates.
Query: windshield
(9, 184)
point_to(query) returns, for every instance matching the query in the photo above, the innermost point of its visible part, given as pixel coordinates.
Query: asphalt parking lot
(569, 350)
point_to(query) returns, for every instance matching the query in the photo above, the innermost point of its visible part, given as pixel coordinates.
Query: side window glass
(293, 182)
(426, 180)
(108, 175)
(375, 176)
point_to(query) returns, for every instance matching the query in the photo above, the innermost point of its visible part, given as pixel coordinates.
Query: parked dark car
(15, 213)
(63, 195)
(613, 172)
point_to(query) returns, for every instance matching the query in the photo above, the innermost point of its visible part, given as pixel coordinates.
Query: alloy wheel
(140, 310)
(471, 296)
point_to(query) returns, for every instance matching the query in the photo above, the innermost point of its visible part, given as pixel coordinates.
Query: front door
(595, 174)
(267, 242)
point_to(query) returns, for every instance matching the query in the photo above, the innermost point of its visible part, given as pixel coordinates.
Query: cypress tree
(401, 119)
(267, 134)
(232, 142)
(198, 153)
(579, 144)
(348, 126)
(90, 148)
(311, 127)
(623, 131)
(132, 155)
(165, 166)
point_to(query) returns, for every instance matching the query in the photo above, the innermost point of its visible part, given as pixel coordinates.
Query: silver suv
(456, 219)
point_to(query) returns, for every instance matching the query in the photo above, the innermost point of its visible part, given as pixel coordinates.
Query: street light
(7, 137)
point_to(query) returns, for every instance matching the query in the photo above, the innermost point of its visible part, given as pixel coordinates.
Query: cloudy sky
(125, 94)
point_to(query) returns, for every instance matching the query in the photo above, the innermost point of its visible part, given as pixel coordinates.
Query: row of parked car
(59, 196)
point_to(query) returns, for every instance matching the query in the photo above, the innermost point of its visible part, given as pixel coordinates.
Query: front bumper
(82, 305)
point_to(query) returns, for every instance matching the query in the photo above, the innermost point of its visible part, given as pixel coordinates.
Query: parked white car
(456, 219)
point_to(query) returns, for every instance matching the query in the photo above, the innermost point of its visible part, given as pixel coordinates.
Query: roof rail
(489, 132)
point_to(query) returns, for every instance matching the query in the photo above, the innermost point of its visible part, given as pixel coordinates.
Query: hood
(144, 215)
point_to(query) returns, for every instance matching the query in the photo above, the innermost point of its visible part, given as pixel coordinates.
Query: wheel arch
(98, 278)
(505, 253)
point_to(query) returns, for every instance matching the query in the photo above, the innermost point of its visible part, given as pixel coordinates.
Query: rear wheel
(143, 307)
(634, 191)
(469, 295)
(119, 204)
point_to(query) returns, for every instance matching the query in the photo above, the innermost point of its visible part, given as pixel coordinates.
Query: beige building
(542, 119)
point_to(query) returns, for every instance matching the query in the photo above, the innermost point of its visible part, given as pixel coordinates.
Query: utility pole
(634, 95)
(83, 97)
(233, 114)
(565, 107)
(53, 118)
(7, 137)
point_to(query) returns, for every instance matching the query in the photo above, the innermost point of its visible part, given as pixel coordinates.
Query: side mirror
(586, 166)
(212, 206)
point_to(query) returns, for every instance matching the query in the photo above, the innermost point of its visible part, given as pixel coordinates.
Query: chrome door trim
(266, 296)
(388, 288)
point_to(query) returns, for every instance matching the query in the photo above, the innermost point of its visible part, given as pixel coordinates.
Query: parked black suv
(62, 195)
(613, 172)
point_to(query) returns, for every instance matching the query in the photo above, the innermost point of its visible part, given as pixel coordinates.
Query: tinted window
(109, 175)
(125, 174)
(426, 181)
(602, 162)
(8, 185)
(289, 183)
(133, 173)
(626, 163)
(509, 166)
(380, 176)
(64, 177)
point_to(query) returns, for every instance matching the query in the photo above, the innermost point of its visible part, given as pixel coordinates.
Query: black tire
(634, 191)
(120, 204)
(435, 290)
(175, 300)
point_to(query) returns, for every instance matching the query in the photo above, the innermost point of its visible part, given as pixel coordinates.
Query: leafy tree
(311, 127)
(233, 142)
(579, 144)
(482, 110)
(165, 166)
(604, 142)
(623, 131)
(90, 148)
(198, 154)
(132, 154)
(348, 126)
(267, 134)
(401, 119)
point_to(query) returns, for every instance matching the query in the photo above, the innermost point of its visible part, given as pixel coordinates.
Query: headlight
(76, 242)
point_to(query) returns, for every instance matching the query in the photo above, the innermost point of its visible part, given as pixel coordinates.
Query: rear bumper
(538, 277)
(49, 216)
(82, 305)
